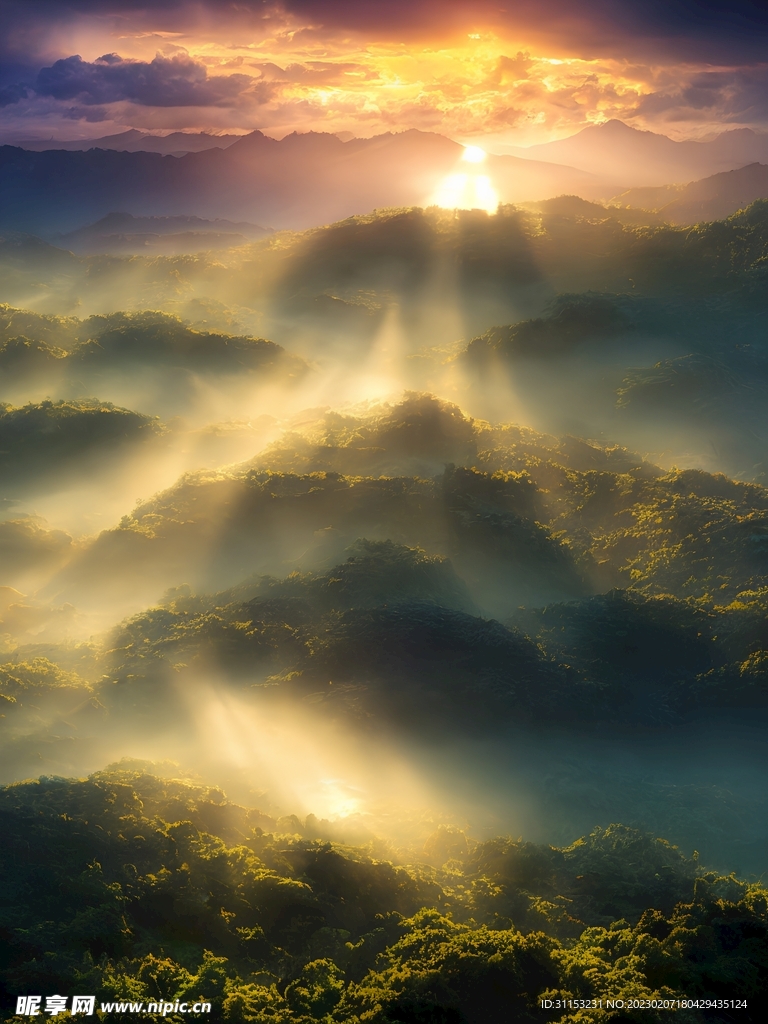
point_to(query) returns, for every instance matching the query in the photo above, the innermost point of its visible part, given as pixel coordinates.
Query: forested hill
(137, 886)
(536, 606)
(523, 515)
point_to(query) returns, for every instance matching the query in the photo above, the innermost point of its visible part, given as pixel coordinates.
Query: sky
(514, 73)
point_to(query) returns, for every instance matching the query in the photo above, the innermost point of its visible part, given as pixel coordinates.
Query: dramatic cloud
(707, 30)
(12, 94)
(176, 81)
(515, 74)
(700, 29)
(732, 95)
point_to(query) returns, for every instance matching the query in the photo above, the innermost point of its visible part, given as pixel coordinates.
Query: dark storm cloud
(177, 81)
(725, 31)
(710, 30)
(12, 94)
(739, 95)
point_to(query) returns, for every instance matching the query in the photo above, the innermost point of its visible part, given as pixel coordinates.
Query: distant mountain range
(300, 181)
(305, 180)
(124, 233)
(616, 152)
(712, 198)
(612, 151)
(133, 141)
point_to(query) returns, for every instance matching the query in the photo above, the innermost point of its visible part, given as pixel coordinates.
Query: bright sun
(473, 155)
(468, 191)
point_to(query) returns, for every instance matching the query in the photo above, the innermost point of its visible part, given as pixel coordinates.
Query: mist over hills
(305, 180)
(332, 577)
(48, 440)
(410, 533)
(122, 232)
(712, 198)
(650, 336)
(300, 181)
(384, 520)
(616, 151)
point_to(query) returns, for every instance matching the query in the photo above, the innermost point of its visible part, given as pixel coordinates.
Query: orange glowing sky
(476, 72)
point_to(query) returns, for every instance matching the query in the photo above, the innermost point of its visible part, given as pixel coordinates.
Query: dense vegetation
(675, 313)
(32, 345)
(51, 438)
(139, 887)
(524, 517)
(644, 592)
(350, 271)
(620, 657)
(400, 572)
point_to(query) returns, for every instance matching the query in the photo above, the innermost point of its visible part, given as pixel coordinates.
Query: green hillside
(137, 888)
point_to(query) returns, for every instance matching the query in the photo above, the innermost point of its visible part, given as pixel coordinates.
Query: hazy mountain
(299, 181)
(575, 207)
(614, 150)
(133, 141)
(712, 198)
(124, 233)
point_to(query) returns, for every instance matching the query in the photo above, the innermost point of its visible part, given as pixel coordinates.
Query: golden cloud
(283, 76)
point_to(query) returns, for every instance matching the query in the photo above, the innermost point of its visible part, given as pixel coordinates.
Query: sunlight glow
(474, 155)
(304, 762)
(466, 192)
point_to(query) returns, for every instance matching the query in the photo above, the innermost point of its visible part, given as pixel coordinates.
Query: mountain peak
(614, 125)
(617, 129)
(252, 138)
(740, 133)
